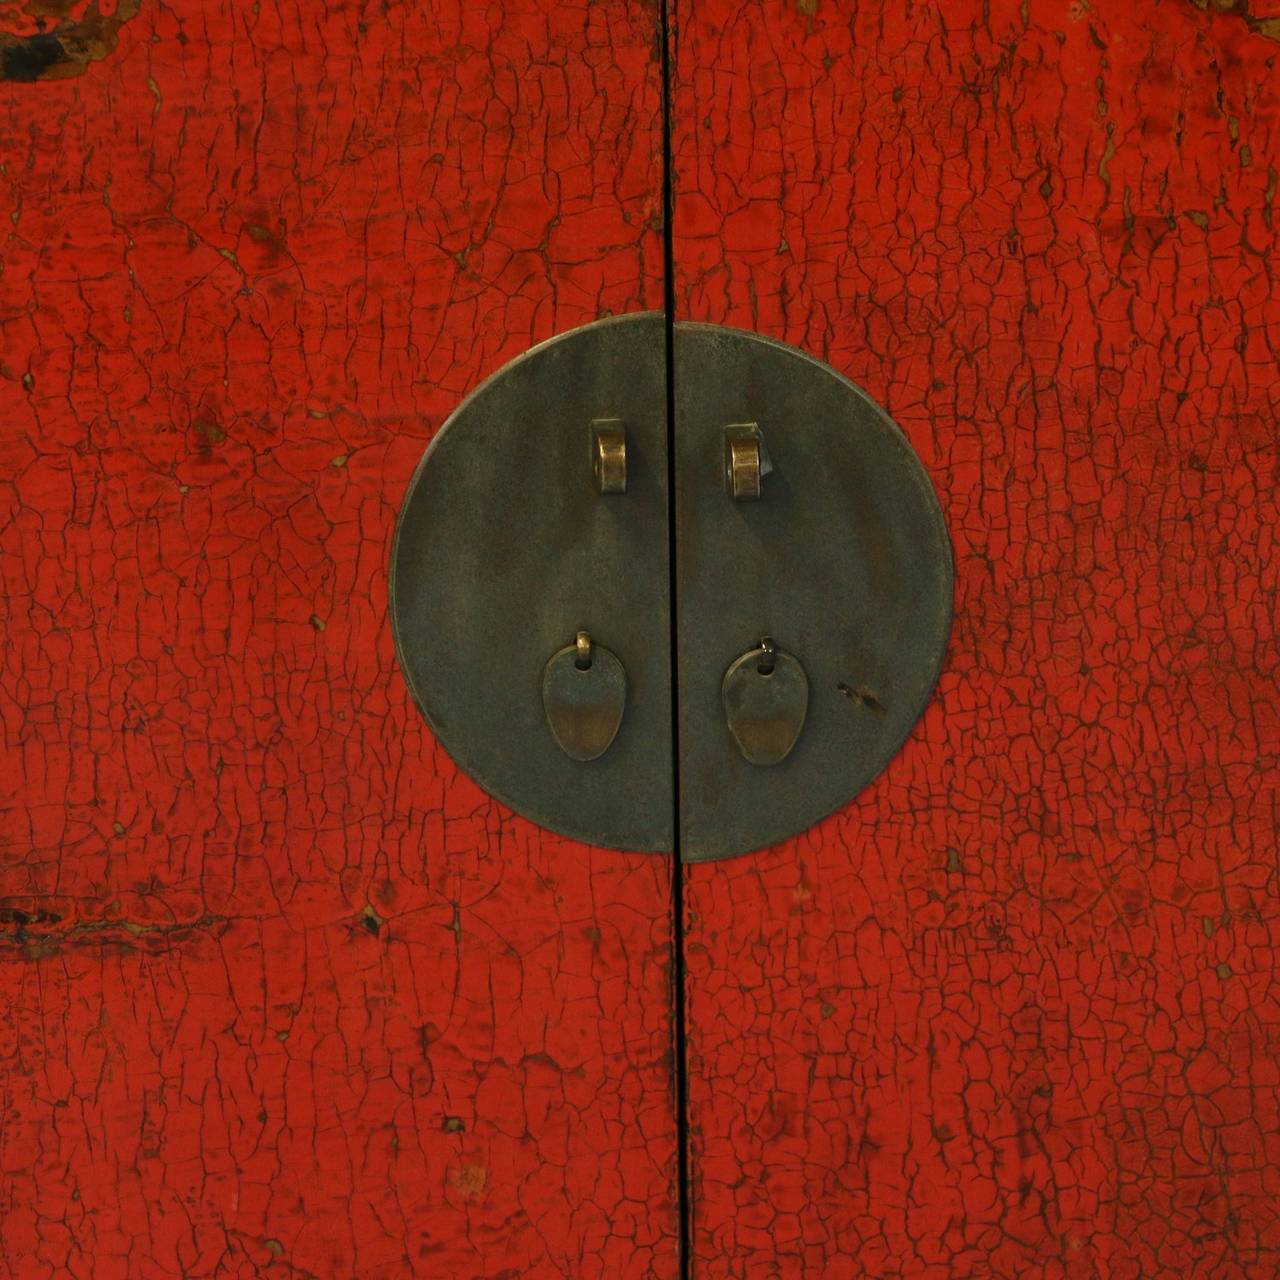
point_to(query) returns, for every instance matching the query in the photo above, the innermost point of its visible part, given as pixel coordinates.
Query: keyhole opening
(768, 657)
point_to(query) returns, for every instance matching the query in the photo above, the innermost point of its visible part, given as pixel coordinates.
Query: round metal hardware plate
(843, 560)
(514, 536)
(507, 548)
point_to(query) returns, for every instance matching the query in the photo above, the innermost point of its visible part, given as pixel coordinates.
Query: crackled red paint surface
(1014, 1013)
(280, 992)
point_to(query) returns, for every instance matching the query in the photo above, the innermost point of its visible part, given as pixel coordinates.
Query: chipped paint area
(31, 17)
(1250, 11)
(48, 40)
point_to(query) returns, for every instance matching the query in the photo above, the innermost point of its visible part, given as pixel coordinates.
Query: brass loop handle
(609, 455)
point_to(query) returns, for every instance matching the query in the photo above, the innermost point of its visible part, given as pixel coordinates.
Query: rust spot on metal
(863, 697)
(58, 39)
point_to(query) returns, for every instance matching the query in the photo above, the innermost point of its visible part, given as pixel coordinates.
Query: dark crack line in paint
(679, 1034)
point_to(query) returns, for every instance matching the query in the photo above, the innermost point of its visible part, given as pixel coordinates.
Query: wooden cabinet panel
(282, 992)
(1013, 1013)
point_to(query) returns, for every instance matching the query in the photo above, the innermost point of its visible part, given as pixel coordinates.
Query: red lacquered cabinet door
(281, 993)
(1014, 1012)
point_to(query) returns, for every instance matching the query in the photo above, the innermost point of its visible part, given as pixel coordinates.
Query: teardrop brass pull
(584, 693)
(766, 696)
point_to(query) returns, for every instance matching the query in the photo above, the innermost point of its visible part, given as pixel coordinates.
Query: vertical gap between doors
(679, 1048)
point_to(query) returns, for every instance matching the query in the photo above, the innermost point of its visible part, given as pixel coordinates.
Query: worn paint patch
(58, 39)
(1265, 26)
(470, 1180)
